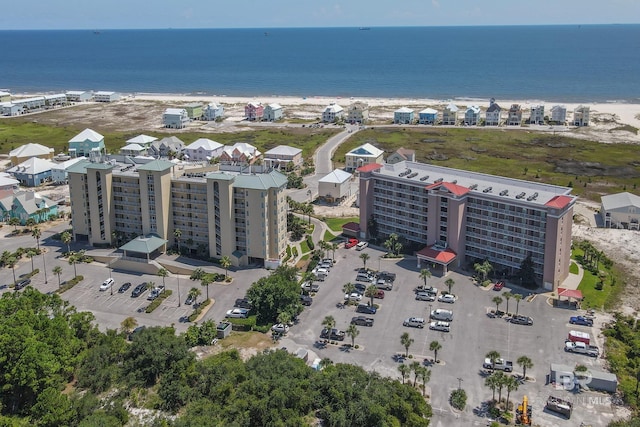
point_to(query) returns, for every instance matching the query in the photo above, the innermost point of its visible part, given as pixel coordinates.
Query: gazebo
(144, 247)
(570, 294)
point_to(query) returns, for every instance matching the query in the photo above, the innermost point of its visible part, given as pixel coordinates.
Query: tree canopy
(277, 293)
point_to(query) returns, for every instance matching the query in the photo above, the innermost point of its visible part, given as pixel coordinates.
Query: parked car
(139, 290)
(360, 287)
(384, 284)
(439, 326)
(107, 284)
(362, 321)
(350, 243)
(243, 303)
(581, 320)
(498, 286)
(280, 328)
(310, 287)
(22, 284)
(124, 288)
(366, 309)
(365, 277)
(190, 299)
(306, 300)
(385, 275)
(414, 322)
(428, 289)
(522, 320)
(361, 245)
(328, 261)
(442, 314)
(333, 334)
(425, 296)
(354, 296)
(379, 294)
(155, 293)
(239, 313)
(448, 298)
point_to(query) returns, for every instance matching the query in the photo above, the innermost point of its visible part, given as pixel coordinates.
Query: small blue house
(403, 116)
(27, 204)
(32, 172)
(86, 142)
(428, 116)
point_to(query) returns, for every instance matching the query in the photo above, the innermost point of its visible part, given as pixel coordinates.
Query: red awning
(444, 256)
(569, 293)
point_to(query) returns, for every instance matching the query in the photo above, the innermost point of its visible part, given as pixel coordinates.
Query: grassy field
(335, 224)
(594, 298)
(591, 168)
(573, 268)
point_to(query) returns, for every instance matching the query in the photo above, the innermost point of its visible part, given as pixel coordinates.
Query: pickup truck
(582, 348)
(560, 406)
(155, 293)
(500, 365)
(581, 320)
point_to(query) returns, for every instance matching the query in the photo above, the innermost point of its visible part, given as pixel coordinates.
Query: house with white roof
(472, 115)
(55, 100)
(166, 147)
(358, 112)
(86, 143)
(106, 96)
(253, 111)
(581, 115)
(621, 210)
(332, 113)
(143, 140)
(27, 204)
(175, 118)
(428, 116)
(32, 172)
(202, 150)
(133, 150)
(493, 114)
(515, 115)
(212, 111)
(10, 109)
(273, 112)
(35, 103)
(335, 186)
(403, 115)
(450, 115)
(401, 155)
(79, 95)
(361, 156)
(8, 184)
(537, 115)
(27, 151)
(240, 153)
(283, 157)
(559, 114)
(59, 170)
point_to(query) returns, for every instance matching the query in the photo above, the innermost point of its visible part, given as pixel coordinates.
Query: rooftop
(87, 135)
(337, 176)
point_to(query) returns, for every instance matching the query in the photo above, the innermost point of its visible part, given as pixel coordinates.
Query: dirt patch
(572, 167)
(247, 343)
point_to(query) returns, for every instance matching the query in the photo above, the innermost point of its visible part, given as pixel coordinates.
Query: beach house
(56, 100)
(253, 111)
(169, 146)
(361, 156)
(358, 112)
(515, 115)
(5, 96)
(537, 115)
(472, 115)
(212, 112)
(493, 114)
(175, 118)
(27, 204)
(194, 110)
(29, 104)
(581, 116)
(10, 109)
(202, 150)
(133, 150)
(428, 116)
(27, 151)
(335, 186)
(283, 157)
(559, 114)
(332, 113)
(239, 153)
(143, 140)
(32, 172)
(79, 96)
(85, 143)
(8, 184)
(450, 115)
(404, 116)
(621, 210)
(273, 112)
(59, 170)
(106, 96)
(400, 155)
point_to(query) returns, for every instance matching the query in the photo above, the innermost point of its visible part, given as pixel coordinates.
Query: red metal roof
(442, 256)
(370, 167)
(351, 226)
(559, 202)
(569, 293)
(455, 189)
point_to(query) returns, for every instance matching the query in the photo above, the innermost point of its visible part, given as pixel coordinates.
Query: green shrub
(198, 310)
(65, 286)
(458, 399)
(310, 242)
(156, 302)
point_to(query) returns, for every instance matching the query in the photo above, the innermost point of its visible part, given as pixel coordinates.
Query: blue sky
(112, 14)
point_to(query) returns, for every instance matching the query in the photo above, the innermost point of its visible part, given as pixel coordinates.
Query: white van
(361, 245)
(442, 314)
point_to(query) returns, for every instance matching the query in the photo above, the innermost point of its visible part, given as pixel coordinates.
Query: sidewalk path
(573, 280)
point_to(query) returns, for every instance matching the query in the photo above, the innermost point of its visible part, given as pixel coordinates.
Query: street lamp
(459, 383)
(179, 298)
(110, 287)
(44, 262)
(309, 194)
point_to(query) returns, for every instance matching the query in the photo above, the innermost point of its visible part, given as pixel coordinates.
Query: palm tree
(284, 317)
(324, 246)
(205, 282)
(11, 262)
(334, 246)
(30, 222)
(517, 297)
(177, 233)
(491, 382)
(364, 257)
(197, 274)
(483, 269)
(225, 263)
(449, 282)
(128, 325)
(424, 275)
(406, 342)
(73, 259)
(525, 363)
(435, 346)
(162, 273)
(307, 209)
(425, 377)
(404, 371)
(415, 367)
(36, 233)
(66, 239)
(194, 293)
(31, 253)
(507, 296)
(501, 381)
(371, 292)
(57, 270)
(493, 356)
(348, 288)
(512, 385)
(15, 222)
(497, 301)
(353, 331)
(329, 322)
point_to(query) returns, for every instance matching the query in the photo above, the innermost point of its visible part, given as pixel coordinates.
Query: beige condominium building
(242, 216)
(453, 217)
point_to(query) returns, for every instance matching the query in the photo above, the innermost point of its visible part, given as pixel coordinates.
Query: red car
(379, 294)
(351, 243)
(498, 286)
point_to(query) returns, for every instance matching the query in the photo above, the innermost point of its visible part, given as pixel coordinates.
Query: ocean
(588, 63)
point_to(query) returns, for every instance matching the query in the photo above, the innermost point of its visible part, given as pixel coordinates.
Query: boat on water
(364, 28)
